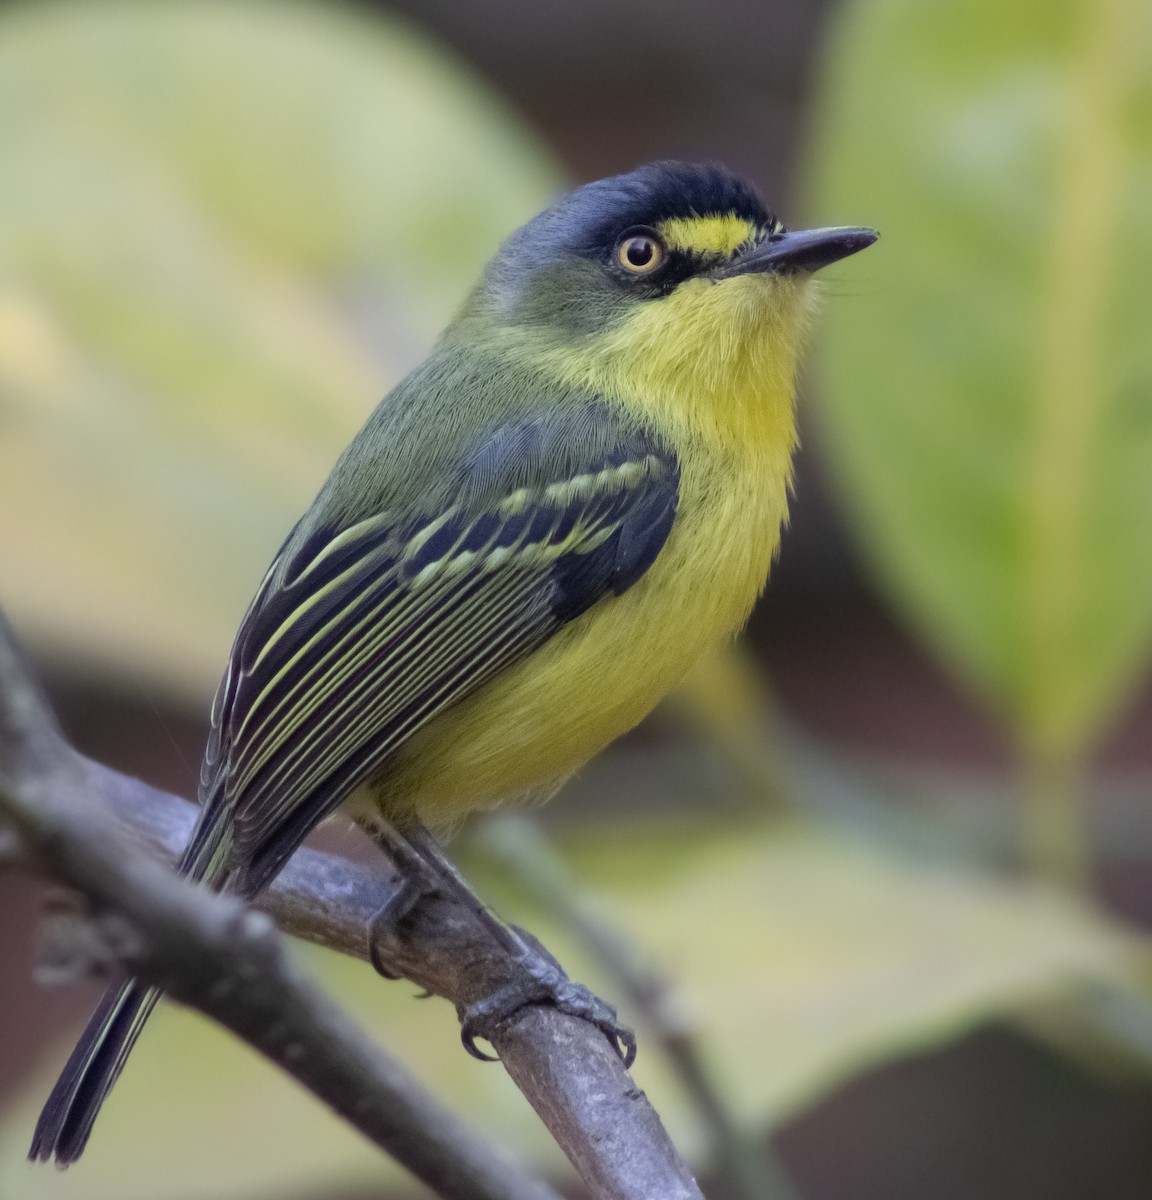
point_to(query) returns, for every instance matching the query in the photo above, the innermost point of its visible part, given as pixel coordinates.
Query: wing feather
(426, 668)
(362, 632)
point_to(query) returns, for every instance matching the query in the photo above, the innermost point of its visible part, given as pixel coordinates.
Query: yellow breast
(712, 369)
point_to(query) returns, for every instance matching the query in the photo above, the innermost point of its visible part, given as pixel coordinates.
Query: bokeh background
(893, 856)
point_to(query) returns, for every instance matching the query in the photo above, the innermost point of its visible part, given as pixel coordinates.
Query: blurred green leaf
(805, 956)
(225, 230)
(987, 377)
(802, 958)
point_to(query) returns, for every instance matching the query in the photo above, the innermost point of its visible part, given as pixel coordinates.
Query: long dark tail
(66, 1121)
(95, 1064)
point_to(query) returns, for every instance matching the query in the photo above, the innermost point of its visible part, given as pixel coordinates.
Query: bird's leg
(538, 977)
(416, 882)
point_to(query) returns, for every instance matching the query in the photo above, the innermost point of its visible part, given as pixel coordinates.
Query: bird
(532, 539)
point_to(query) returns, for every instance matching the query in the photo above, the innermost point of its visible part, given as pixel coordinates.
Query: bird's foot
(408, 894)
(527, 973)
(540, 979)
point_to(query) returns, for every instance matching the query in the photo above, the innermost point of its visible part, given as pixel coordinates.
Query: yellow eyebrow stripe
(707, 235)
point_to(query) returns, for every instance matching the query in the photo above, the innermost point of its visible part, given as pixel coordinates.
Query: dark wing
(359, 635)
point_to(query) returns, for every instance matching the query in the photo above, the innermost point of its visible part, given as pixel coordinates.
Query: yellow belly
(530, 729)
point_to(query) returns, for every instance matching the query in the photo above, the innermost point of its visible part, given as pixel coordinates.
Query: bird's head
(671, 276)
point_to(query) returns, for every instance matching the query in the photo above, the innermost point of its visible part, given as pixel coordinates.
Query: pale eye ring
(640, 252)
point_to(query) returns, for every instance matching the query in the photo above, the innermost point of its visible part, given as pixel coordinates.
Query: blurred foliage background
(893, 857)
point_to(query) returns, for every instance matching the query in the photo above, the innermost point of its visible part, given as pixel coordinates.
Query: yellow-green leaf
(987, 374)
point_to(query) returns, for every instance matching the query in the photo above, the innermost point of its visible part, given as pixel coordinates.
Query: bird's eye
(640, 253)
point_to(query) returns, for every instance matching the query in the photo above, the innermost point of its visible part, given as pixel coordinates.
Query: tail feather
(96, 1062)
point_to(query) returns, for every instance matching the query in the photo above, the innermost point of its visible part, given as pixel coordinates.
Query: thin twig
(189, 939)
(528, 858)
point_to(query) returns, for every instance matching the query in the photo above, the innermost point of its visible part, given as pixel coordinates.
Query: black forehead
(594, 216)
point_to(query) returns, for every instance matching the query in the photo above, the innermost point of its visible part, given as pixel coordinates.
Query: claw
(468, 1036)
(624, 1043)
(620, 1037)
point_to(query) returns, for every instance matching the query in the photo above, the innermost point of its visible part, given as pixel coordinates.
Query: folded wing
(359, 635)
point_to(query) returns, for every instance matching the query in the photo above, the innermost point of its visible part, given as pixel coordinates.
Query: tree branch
(215, 955)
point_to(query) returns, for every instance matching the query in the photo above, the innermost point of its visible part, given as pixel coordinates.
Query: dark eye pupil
(640, 252)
